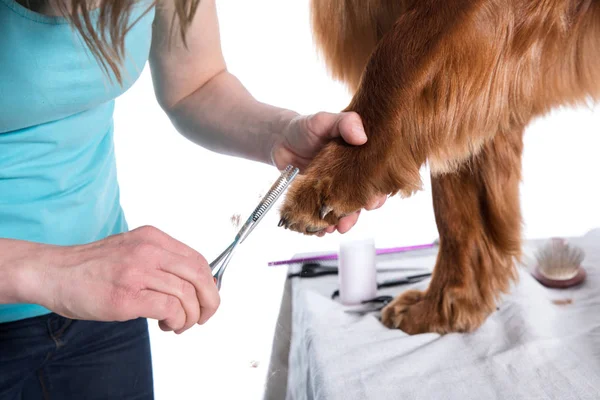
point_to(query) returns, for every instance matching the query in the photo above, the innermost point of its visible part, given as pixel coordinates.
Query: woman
(76, 286)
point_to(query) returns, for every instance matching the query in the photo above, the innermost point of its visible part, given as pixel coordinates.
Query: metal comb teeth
(220, 263)
(284, 180)
(273, 194)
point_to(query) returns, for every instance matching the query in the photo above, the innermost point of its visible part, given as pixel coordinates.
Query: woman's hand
(306, 135)
(142, 273)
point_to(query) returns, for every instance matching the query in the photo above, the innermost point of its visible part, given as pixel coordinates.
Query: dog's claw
(325, 210)
(284, 222)
(313, 229)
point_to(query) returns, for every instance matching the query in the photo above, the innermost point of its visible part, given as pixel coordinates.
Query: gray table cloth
(531, 348)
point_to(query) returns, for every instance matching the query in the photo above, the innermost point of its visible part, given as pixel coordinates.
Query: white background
(191, 193)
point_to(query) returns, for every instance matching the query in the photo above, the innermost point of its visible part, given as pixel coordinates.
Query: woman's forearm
(222, 116)
(19, 261)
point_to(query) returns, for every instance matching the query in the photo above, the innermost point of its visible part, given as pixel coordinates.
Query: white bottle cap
(357, 271)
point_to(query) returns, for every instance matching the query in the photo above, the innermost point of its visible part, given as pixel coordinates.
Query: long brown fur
(454, 84)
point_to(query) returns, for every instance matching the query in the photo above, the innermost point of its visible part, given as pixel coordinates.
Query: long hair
(106, 40)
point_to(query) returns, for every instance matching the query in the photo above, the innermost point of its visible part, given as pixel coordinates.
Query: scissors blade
(364, 310)
(266, 203)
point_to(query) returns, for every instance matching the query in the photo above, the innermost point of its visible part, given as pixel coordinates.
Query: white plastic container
(357, 271)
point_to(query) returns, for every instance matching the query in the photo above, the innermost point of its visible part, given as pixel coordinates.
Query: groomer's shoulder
(179, 69)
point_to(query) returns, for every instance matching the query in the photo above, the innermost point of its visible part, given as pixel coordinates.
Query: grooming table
(531, 348)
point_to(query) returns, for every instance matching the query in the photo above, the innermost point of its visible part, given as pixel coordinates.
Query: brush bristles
(559, 261)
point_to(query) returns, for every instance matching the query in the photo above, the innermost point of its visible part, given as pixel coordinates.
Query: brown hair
(106, 41)
(452, 84)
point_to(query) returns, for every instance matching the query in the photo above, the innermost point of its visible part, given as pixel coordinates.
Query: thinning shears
(219, 265)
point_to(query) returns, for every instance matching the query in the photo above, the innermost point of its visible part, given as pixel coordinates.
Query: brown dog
(451, 83)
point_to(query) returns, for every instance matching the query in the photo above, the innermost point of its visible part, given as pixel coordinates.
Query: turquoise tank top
(58, 180)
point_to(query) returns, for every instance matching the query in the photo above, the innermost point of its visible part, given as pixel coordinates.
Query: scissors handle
(394, 282)
(313, 270)
(218, 262)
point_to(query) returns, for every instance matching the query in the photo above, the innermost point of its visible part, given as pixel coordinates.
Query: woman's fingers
(173, 285)
(197, 273)
(190, 266)
(160, 306)
(376, 203)
(346, 223)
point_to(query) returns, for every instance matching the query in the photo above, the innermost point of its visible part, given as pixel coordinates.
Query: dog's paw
(408, 313)
(312, 204)
(342, 180)
(415, 312)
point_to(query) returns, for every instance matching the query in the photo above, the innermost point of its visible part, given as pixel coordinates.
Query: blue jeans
(52, 357)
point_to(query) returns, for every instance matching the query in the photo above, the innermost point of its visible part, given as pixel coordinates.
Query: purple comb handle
(329, 257)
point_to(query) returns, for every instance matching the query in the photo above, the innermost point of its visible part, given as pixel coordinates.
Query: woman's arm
(19, 259)
(206, 103)
(212, 108)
